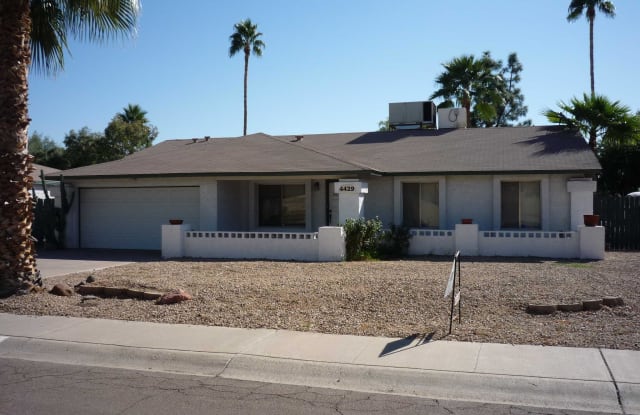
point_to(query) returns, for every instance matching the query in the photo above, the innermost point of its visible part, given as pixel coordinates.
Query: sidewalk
(598, 380)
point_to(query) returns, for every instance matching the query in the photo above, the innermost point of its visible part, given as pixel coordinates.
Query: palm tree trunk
(246, 74)
(593, 89)
(17, 261)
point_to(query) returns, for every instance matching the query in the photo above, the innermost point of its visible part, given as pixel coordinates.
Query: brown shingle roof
(459, 151)
(48, 171)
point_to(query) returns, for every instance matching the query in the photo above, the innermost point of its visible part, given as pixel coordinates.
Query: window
(520, 205)
(420, 205)
(281, 205)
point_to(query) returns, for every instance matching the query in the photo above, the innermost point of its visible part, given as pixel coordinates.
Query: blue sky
(329, 65)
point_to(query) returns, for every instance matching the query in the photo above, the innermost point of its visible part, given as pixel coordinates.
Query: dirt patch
(377, 298)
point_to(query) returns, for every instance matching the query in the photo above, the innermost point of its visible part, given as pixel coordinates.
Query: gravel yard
(376, 298)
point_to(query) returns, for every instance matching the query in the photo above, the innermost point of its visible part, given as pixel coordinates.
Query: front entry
(332, 204)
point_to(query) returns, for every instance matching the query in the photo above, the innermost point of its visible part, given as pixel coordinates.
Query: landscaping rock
(571, 308)
(541, 308)
(114, 291)
(62, 290)
(613, 301)
(91, 290)
(151, 295)
(173, 297)
(131, 293)
(28, 288)
(592, 305)
(91, 279)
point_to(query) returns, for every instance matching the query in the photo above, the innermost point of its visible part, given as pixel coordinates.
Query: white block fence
(585, 243)
(328, 244)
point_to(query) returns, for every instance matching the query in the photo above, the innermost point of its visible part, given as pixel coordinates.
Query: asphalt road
(28, 387)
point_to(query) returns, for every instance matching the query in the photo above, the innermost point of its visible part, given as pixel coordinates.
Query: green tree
(83, 147)
(619, 168)
(45, 151)
(122, 137)
(486, 89)
(245, 38)
(38, 30)
(577, 8)
(384, 125)
(511, 106)
(597, 118)
(133, 113)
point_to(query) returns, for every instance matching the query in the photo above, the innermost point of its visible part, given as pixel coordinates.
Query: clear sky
(329, 65)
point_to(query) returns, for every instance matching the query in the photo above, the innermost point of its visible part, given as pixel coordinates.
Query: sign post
(450, 290)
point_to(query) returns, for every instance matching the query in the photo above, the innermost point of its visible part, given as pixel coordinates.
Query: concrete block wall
(325, 245)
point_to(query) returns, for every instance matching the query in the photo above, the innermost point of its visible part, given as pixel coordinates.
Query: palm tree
(595, 116)
(470, 82)
(133, 113)
(588, 7)
(245, 38)
(37, 29)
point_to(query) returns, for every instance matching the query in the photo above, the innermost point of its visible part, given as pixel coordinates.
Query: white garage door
(131, 218)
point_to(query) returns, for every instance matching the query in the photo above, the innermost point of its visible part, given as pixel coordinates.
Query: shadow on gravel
(401, 345)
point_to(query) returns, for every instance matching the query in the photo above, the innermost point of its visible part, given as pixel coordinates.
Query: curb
(582, 395)
(114, 356)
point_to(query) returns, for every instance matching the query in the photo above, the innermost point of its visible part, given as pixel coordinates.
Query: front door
(332, 204)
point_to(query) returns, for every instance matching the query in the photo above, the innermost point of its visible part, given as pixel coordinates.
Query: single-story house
(262, 196)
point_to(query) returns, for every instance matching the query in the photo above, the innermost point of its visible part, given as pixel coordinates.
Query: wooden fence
(621, 218)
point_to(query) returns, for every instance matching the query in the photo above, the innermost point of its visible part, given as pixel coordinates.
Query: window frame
(521, 204)
(281, 226)
(420, 202)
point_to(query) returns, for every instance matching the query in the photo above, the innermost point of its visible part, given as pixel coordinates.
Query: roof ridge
(313, 150)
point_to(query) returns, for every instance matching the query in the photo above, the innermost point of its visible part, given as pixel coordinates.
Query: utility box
(419, 113)
(452, 118)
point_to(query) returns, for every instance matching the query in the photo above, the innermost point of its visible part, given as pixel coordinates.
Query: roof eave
(490, 172)
(211, 174)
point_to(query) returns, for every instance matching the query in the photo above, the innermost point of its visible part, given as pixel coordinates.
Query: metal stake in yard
(450, 290)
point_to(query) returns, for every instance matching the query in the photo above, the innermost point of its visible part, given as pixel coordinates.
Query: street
(30, 387)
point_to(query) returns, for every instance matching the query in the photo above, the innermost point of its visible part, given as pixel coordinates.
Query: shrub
(394, 242)
(362, 238)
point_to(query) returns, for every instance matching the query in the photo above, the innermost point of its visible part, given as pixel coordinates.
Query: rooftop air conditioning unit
(452, 118)
(420, 113)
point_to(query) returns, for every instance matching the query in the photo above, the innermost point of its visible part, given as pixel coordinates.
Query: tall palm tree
(133, 113)
(588, 7)
(246, 39)
(37, 29)
(595, 116)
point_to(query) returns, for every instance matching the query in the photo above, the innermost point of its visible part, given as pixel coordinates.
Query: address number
(347, 188)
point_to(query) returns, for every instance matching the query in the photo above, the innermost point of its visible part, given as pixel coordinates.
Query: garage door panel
(131, 218)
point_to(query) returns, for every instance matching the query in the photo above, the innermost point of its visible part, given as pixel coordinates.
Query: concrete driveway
(52, 263)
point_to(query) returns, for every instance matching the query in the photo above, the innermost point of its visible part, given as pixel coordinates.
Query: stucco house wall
(469, 183)
(231, 205)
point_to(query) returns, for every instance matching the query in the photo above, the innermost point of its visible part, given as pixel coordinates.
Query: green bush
(394, 242)
(362, 238)
(365, 239)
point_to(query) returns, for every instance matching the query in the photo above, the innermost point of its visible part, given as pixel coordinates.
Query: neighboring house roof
(48, 171)
(455, 151)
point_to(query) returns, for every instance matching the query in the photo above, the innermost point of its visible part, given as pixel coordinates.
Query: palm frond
(93, 20)
(48, 37)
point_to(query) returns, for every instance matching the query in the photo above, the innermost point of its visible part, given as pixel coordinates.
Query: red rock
(62, 290)
(175, 296)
